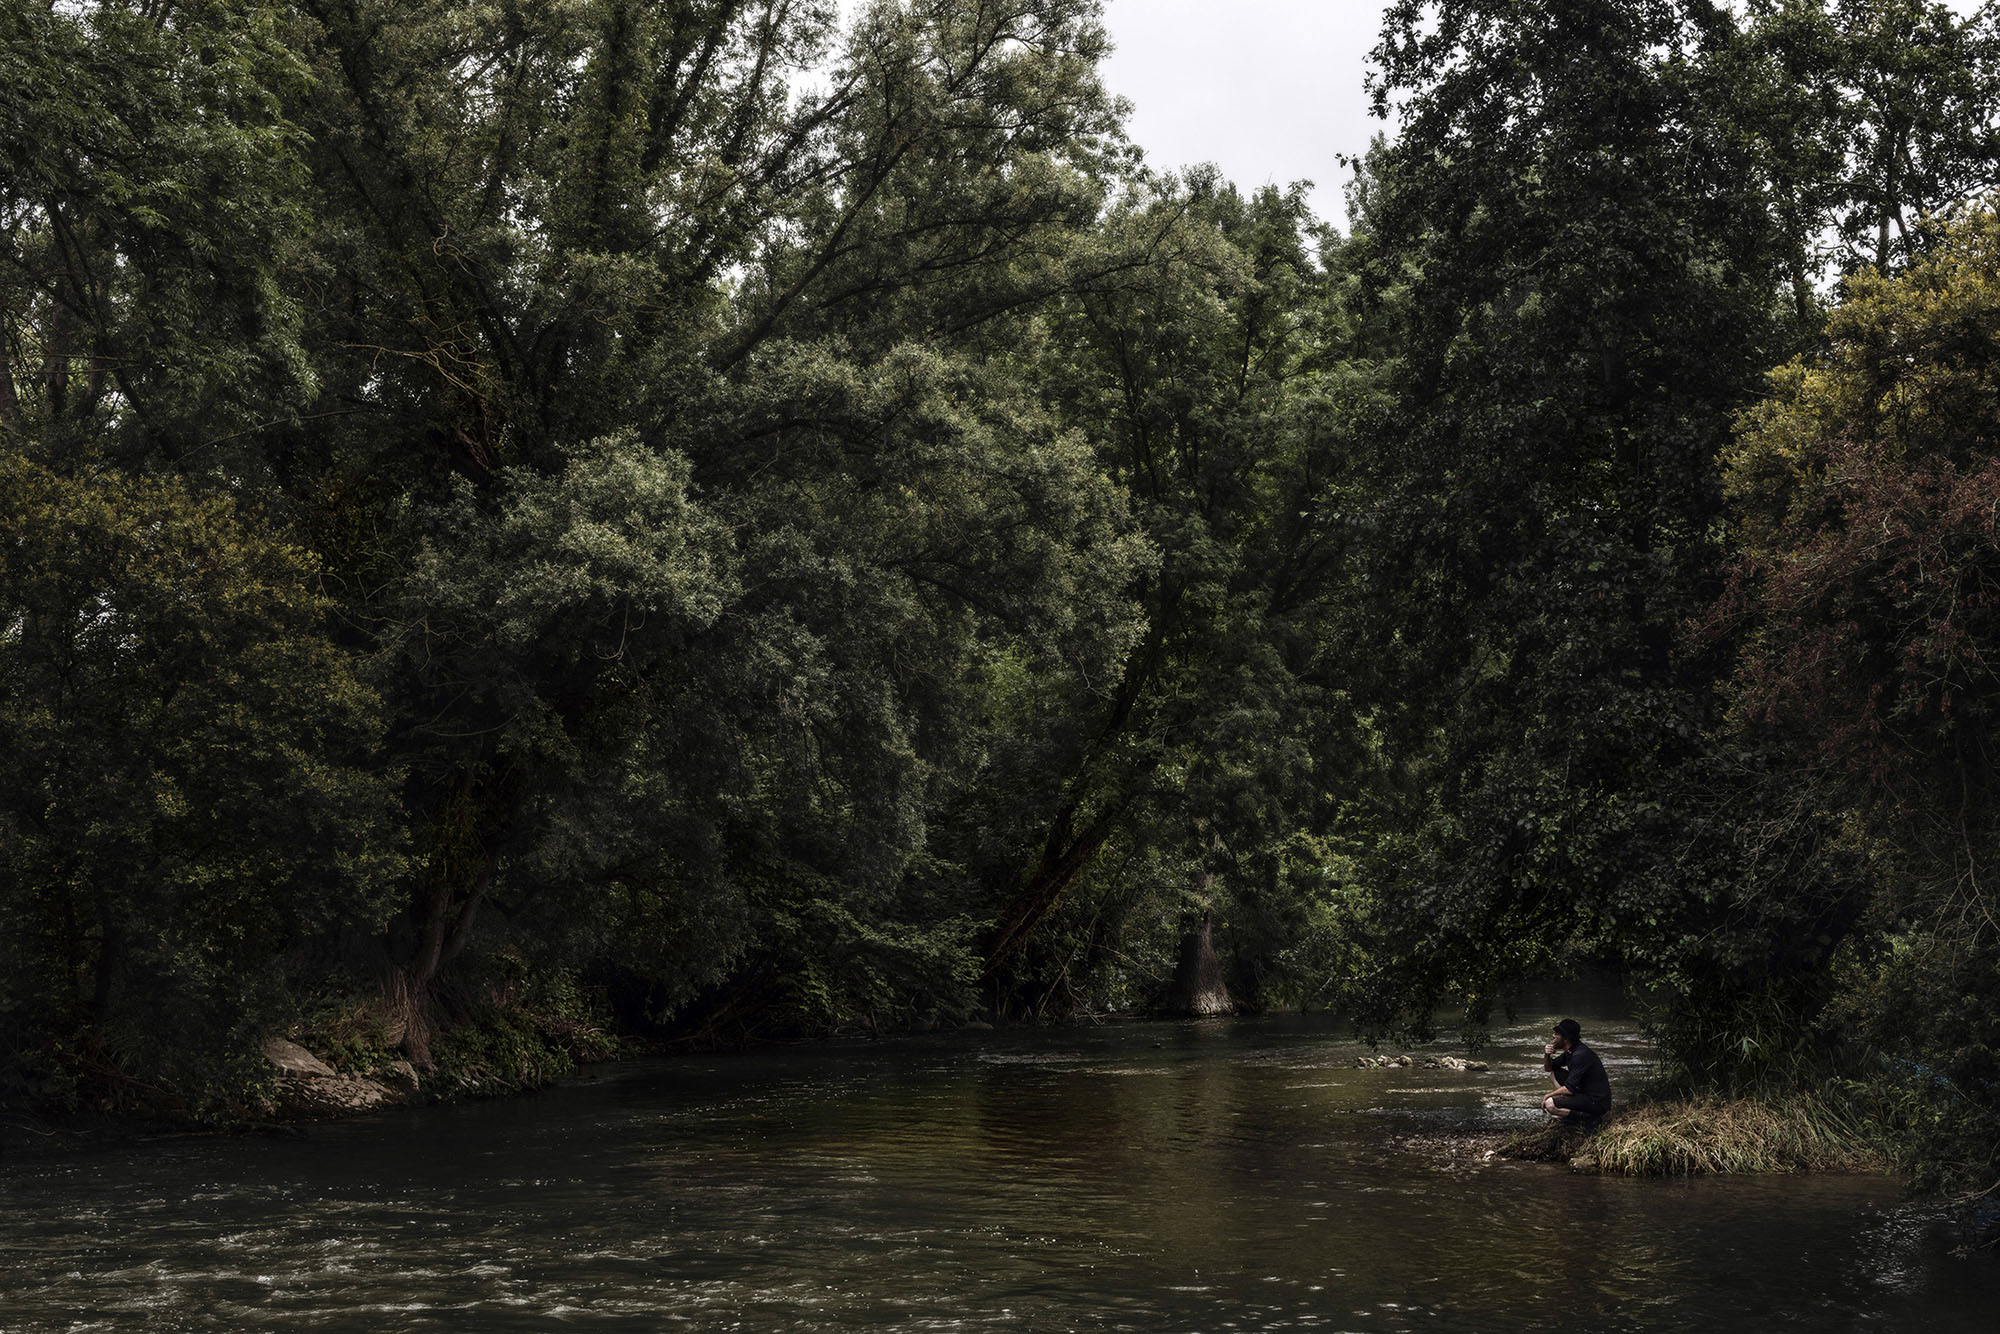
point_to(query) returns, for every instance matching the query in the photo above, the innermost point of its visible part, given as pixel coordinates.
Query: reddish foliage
(1875, 613)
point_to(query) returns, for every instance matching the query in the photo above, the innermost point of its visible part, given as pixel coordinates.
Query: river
(1222, 1175)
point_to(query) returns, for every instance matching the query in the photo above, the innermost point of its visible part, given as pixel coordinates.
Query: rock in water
(313, 1096)
(309, 1088)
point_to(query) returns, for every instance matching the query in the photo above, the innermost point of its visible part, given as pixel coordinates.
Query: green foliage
(835, 970)
(193, 793)
(1212, 385)
(347, 1033)
(151, 202)
(1865, 600)
(494, 1051)
(637, 403)
(1864, 117)
(789, 515)
(1573, 246)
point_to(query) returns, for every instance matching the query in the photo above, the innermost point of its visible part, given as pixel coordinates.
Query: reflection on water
(1222, 1175)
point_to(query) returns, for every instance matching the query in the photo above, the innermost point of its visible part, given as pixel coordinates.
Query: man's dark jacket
(1583, 1078)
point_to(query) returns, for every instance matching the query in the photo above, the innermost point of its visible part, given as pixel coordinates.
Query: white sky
(1269, 90)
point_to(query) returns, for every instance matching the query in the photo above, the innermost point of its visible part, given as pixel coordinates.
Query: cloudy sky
(1270, 90)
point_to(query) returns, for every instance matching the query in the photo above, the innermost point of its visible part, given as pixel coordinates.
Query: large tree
(625, 367)
(1868, 602)
(1571, 233)
(1215, 385)
(1871, 114)
(193, 798)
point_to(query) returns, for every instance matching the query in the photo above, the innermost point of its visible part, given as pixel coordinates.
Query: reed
(1799, 1132)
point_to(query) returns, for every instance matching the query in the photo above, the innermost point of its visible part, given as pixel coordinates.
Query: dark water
(1218, 1176)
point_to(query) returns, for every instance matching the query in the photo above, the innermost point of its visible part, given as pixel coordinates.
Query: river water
(1225, 1175)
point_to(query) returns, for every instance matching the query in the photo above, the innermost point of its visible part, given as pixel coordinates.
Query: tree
(630, 394)
(150, 200)
(1869, 601)
(1210, 384)
(193, 802)
(1584, 271)
(1874, 114)
(1924, 89)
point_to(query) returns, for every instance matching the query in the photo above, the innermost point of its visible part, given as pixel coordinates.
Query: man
(1583, 1090)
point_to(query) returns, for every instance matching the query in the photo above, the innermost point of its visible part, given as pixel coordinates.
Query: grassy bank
(1706, 1136)
(340, 1058)
(498, 1040)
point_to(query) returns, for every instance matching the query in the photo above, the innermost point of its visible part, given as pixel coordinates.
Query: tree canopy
(784, 522)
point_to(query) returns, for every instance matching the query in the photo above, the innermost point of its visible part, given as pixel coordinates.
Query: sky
(1268, 90)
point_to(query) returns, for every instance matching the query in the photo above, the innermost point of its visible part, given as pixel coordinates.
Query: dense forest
(730, 521)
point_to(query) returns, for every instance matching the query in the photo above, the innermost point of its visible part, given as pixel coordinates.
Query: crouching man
(1583, 1091)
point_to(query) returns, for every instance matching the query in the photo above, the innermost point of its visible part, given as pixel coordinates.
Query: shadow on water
(1212, 1175)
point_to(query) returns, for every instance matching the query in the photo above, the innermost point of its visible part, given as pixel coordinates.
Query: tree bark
(1198, 989)
(1063, 859)
(409, 990)
(448, 898)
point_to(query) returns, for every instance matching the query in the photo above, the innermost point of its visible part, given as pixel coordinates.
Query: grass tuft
(1706, 1136)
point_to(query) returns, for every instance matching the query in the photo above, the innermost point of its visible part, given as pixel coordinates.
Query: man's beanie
(1569, 1029)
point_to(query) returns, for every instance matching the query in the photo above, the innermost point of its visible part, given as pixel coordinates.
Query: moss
(1705, 1136)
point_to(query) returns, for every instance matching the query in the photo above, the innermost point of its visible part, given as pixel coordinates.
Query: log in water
(1224, 1174)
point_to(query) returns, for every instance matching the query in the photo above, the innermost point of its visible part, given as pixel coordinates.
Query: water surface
(1228, 1175)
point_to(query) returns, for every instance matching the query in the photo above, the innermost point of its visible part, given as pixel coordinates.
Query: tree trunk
(1064, 855)
(409, 989)
(1063, 859)
(1892, 204)
(1198, 988)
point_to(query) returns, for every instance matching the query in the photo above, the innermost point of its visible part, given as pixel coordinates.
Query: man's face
(1562, 1043)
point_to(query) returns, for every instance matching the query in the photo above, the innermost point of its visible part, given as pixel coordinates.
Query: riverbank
(347, 1059)
(344, 1059)
(1709, 1136)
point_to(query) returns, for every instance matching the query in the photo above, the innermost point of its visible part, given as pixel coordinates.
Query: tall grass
(1799, 1132)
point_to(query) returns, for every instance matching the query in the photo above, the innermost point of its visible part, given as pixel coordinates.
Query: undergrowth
(1705, 1136)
